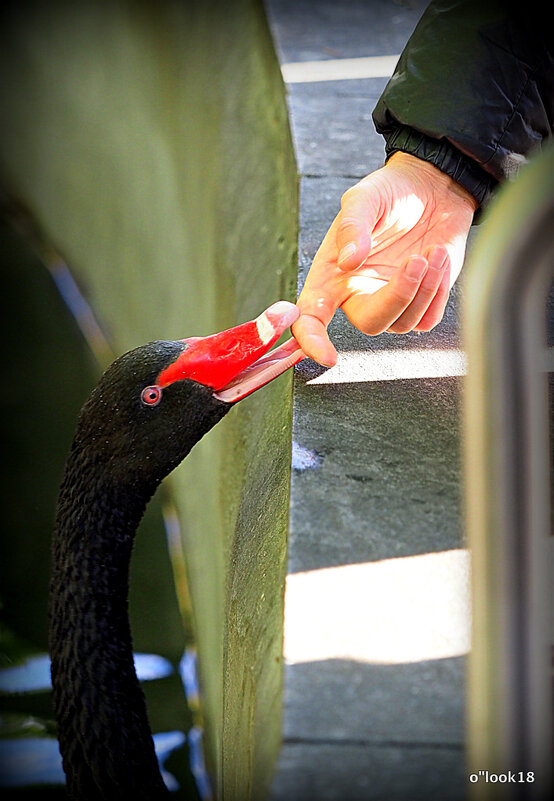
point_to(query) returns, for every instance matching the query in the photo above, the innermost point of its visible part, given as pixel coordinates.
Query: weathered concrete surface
(376, 481)
(363, 771)
(151, 143)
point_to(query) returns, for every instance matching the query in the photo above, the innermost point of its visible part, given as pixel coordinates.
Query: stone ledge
(376, 480)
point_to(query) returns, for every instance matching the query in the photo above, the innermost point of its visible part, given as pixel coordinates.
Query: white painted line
(394, 611)
(404, 364)
(393, 365)
(339, 69)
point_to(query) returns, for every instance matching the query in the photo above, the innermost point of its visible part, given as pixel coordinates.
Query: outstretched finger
(355, 223)
(321, 295)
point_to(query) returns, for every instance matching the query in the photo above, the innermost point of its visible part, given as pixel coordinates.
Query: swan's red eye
(151, 396)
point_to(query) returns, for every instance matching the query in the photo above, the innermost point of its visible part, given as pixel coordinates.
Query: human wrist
(443, 155)
(443, 183)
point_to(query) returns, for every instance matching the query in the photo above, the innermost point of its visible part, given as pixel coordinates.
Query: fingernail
(347, 251)
(438, 265)
(328, 361)
(326, 355)
(416, 267)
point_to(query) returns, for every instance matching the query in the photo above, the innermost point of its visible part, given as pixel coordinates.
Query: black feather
(121, 451)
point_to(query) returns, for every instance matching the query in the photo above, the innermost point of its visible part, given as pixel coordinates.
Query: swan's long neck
(103, 729)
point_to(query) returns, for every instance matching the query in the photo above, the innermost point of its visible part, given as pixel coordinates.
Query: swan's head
(155, 402)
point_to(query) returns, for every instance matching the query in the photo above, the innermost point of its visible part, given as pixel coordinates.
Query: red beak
(236, 362)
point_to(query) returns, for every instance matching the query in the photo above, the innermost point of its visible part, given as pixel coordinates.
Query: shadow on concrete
(396, 733)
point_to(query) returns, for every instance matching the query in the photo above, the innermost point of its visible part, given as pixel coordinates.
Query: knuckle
(371, 329)
(426, 293)
(348, 223)
(397, 328)
(402, 295)
(428, 324)
(348, 196)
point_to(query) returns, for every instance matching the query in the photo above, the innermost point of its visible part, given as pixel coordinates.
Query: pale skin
(390, 256)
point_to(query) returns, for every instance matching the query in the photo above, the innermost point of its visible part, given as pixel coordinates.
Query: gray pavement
(376, 605)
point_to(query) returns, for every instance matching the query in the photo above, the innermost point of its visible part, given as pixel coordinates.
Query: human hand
(390, 256)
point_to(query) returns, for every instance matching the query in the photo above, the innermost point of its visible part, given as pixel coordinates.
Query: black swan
(148, 410)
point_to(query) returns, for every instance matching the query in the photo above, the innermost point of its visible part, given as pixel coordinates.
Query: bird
(146, 413)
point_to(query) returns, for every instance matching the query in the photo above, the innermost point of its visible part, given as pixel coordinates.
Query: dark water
(48, 371)
(29, 755)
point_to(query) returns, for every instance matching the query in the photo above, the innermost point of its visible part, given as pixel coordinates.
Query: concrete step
(377, 604)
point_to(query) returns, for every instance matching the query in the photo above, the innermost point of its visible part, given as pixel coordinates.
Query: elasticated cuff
(445, 157)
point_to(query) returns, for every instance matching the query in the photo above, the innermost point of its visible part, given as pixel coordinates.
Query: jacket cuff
(445, 157)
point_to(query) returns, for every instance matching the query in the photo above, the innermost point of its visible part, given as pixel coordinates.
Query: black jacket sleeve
(473, 91)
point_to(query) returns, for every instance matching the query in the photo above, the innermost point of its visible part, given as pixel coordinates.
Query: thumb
(356, 221)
